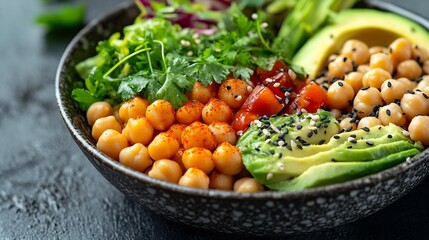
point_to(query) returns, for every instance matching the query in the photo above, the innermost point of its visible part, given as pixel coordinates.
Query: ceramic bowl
(262, 213)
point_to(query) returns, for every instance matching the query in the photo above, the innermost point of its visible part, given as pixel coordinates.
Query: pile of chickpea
(192, 146)
(380, 85)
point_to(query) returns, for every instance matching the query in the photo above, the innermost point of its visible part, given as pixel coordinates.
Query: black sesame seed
(397, 101)
(370, 143)
(257, 149)
(410, 92)
(344, 59)
(336, 137)
(324, 132)
(379, 128)
(388, 112)
(355, 66)
(310, 134)
(340, 84)
(280, 155)
(364, 88)
(280, 100)
(389, 136)
(306, 144)
(289, 147)
(366, 129)
(353, 141)
(271, 151)
(315, 131)
(299, 146)
(299, 127)
(349, 146)
(353, 135)
(425, 95)
(349, 129)
(228, 87)
(283, 88)
(389, 84)
(333, 160)
(321, 141)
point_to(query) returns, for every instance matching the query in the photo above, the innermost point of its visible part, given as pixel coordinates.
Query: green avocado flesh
(375, 28)
(284, 152)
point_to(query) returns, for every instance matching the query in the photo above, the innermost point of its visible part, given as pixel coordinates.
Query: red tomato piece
(262, 101)
(311, 98)
(277, 82)
(242, 120)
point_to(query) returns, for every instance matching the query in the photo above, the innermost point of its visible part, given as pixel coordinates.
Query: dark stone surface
(48, 190)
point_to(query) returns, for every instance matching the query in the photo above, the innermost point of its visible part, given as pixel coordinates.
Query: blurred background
(48, 190)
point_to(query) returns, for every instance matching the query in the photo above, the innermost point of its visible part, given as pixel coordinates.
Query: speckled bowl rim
(219, 194)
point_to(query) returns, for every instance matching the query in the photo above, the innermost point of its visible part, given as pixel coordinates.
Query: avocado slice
(376, 28)
(331, 173)
(271, 162)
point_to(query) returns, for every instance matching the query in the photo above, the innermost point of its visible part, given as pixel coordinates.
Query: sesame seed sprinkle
(269, 80)
(269, 176)
(370, 143)
(406, 133)
(275, 128)
(388, 112)
(293, 144)
(265, 132)
(281, 143)
(238, 97)
(389, 136)
(281, 166)
(276, 84)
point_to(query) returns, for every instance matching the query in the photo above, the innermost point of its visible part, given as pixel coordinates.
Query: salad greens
(66, 17)
(171, 46)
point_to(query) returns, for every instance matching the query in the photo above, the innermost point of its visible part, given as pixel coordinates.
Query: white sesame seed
(293, 144)
(287, 94)
(254, 16)
(315, 117)
(269, 176)
(249, 88)
(351, 139)
(303, 110)
(265, 132)
(239, 133)
(406, 133)
(312, 128)
(281, 166)
(281, 143)
(238, 97)
(275, 128)
(264, 25)
(276, 84)
(268, 140)
(291, 74)
(312, 123)
(269, 80)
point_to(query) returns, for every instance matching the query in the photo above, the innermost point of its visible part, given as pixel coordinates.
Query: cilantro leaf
(84, 98)
(67, 17)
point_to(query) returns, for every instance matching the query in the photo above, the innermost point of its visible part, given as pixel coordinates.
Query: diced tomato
(242, 120)
(279, 81)
(311, 98)
(262, 74)
(262, 101)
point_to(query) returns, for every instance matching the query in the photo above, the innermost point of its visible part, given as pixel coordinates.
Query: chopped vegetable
(67, 17)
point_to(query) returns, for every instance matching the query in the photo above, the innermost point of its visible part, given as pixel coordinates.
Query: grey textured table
(48, 190)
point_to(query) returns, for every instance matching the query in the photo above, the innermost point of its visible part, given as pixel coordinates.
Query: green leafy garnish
(67, 17)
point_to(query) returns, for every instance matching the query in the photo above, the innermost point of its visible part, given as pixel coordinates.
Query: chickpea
(423, 83)
(198, 135)
(356, 50)
(369, 122)
(233, 92)
(138, 131)
(363, 68)
(392, 89)
(227, 159)
(410, 85)
(355, 80)
(247, 184)
(176, 131)
(136, 157)
(133, 108)
(365, 101)
(335, 113)
(190, 112)
(217, 110)
(116, 113)
(400, 50)
(198, 157)
(163, 146)
(166, 170)
(418, 129)
(420, 54)
(223, 132)
(378, 49)
(392, 113)
(339, 94)
(375, 78)
(178, 158)
(426, 67)
(409, 69)
(104, 123)
(348, 124)
(111, 143)
(98, 110)
(415, 103)
(195, 178)
(339, 67)
(221, 181)
(203, 93)
(161, 115)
